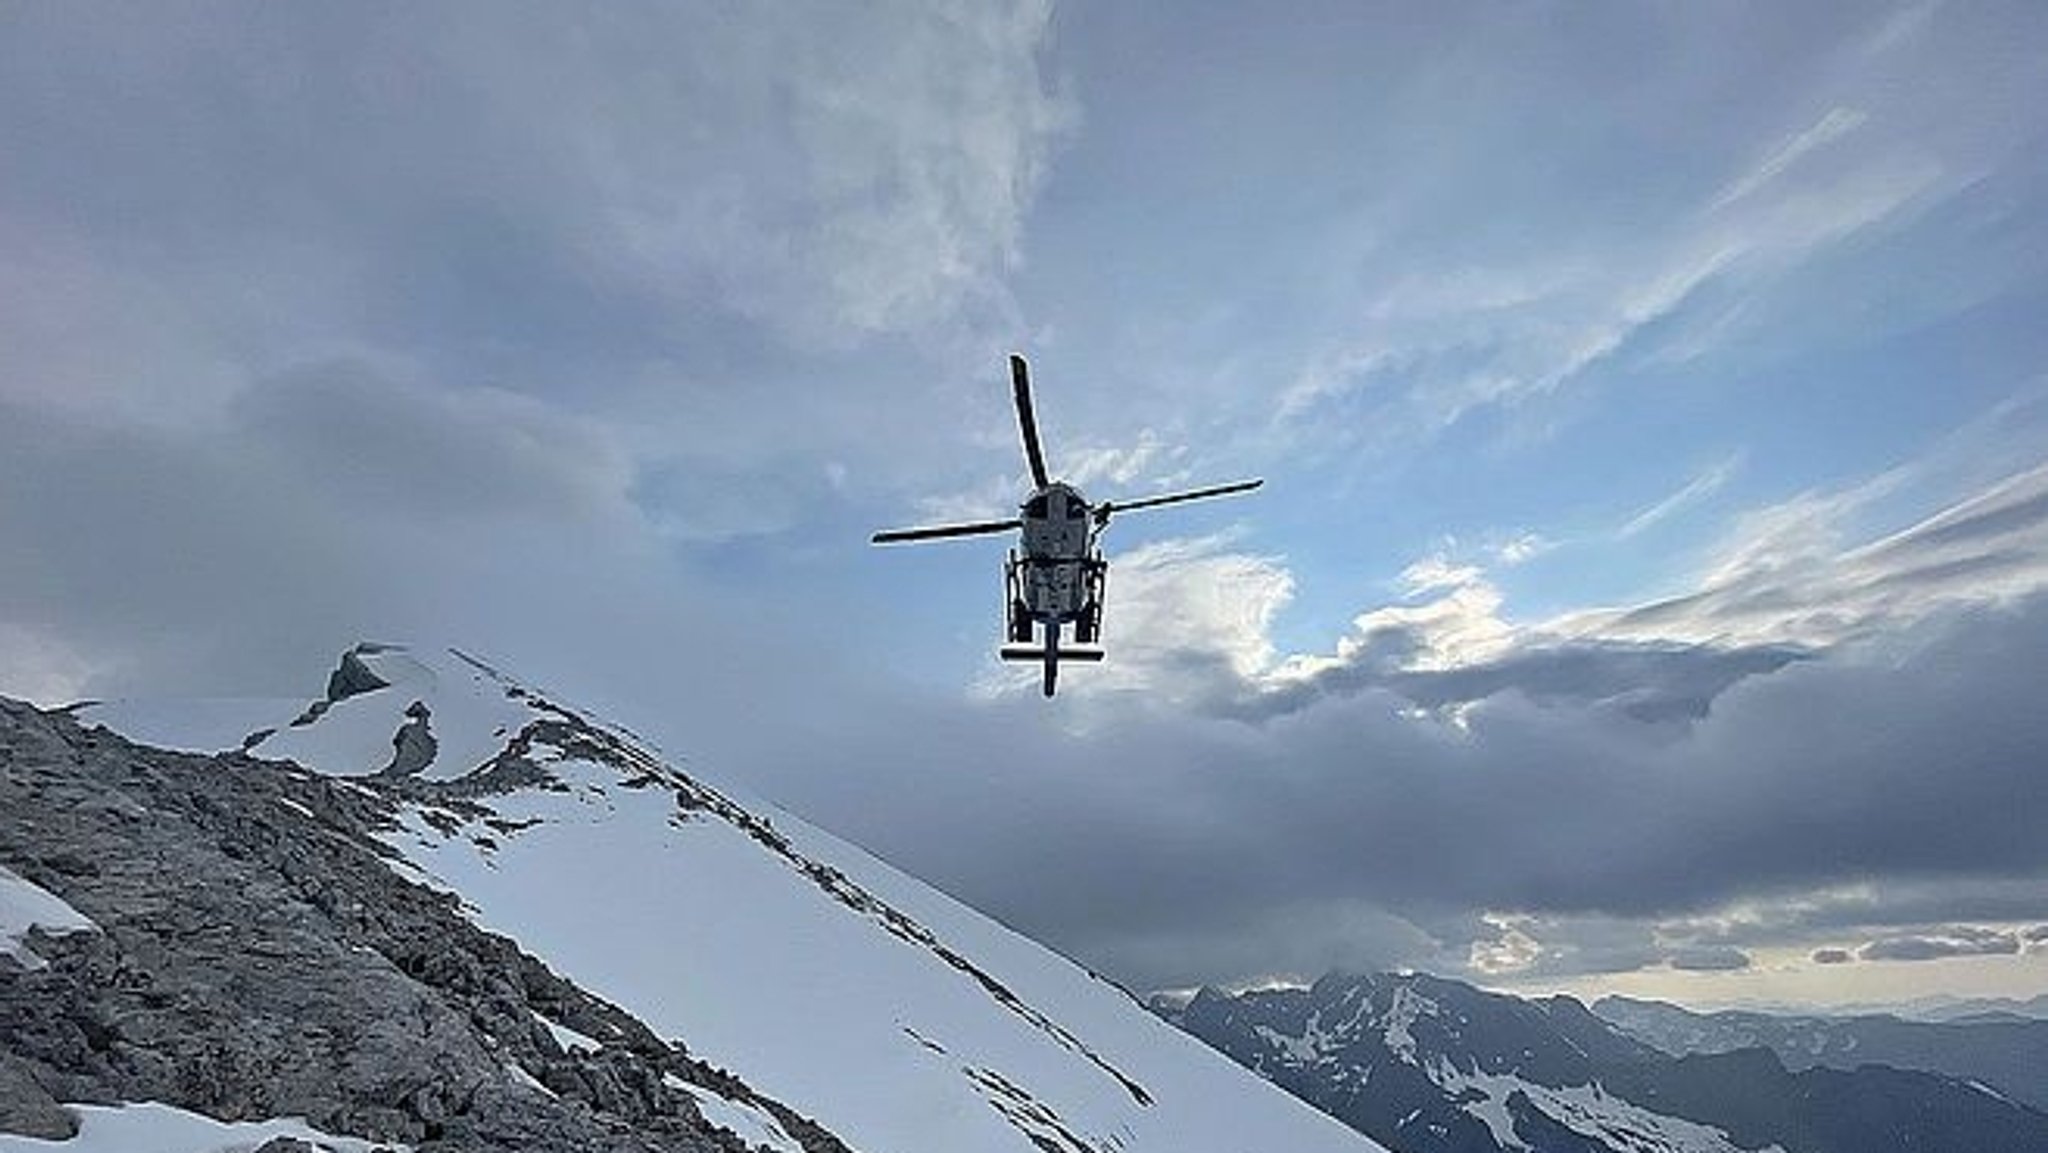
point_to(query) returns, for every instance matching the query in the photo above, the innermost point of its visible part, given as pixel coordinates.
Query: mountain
(2006, 1052)
(1955, 1009)
(438, 907)
(1428, 1065)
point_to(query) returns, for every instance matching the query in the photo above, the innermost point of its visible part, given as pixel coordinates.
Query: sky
(1649, 591)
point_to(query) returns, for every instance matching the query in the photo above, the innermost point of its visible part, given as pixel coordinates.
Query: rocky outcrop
(352, 677)
(259, 957)
(27, 1108)
(413, 745)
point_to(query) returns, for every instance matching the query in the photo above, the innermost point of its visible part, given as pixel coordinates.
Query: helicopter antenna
(1020, 382)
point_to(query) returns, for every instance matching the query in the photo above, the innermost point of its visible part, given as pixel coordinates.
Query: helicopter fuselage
(1054, 573)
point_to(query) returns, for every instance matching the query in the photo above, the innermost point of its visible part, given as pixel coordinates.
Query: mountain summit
(613, 932)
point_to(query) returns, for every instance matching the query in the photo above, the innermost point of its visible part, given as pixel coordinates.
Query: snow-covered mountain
(645, 924)
(1428, 1065)
(2002, 1050)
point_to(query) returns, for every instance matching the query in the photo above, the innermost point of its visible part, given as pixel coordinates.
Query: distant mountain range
(1954, 1008)
(2006, 1052)
(1939, 1007)
(1426, 1065)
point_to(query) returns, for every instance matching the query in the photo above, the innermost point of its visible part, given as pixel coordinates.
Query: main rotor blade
(1103, 510)
(1020, 384)
(941, 532)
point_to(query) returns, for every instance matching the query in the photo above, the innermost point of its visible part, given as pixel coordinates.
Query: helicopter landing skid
(1051, 654)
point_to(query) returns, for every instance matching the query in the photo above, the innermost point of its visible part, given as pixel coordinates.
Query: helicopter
(1057, 576)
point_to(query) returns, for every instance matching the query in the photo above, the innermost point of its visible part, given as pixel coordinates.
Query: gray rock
(413, 745)
(352, 677)
(26, 1108)
(255, 962)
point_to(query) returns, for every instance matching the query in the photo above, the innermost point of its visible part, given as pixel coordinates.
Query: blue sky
(1634, 385)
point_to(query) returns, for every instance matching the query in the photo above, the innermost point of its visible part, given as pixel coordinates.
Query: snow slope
(25, 906)
(894, 1016)
(162, 1129)
(1587, 1110)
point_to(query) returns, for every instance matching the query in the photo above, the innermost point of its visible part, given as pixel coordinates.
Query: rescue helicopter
(1057, 575)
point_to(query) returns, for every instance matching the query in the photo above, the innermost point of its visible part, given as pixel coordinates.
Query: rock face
(259, 957)
(351, 678)
(413, 745)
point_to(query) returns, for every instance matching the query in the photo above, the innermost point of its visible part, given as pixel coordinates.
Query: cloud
(1787, 576)
(586, 204)
(1952, 941)
(1833, 125)
(332, 505)
(40, 668)
(1786, 587)
(1817, 917)
(518, 328)
(1510, 951)
(1453, 646)
(1724, 250)
(1642, 803)
(451, 453)
(1522, 547)
(1187, 618)
(1712, 959)
(1459, 626)
(1693, 491)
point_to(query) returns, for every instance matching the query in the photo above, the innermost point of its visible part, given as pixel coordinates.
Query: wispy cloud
(1508, 325)
(1698, 488)
(1520, 547)
(1789, 574)
(1835, 124)
(1792, 579)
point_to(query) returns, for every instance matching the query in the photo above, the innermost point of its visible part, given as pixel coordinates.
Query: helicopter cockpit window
(1035, 507)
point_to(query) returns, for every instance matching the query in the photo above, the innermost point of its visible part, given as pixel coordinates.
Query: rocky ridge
(258, 956)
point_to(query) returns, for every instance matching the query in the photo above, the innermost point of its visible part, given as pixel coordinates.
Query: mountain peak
(894, 1016)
